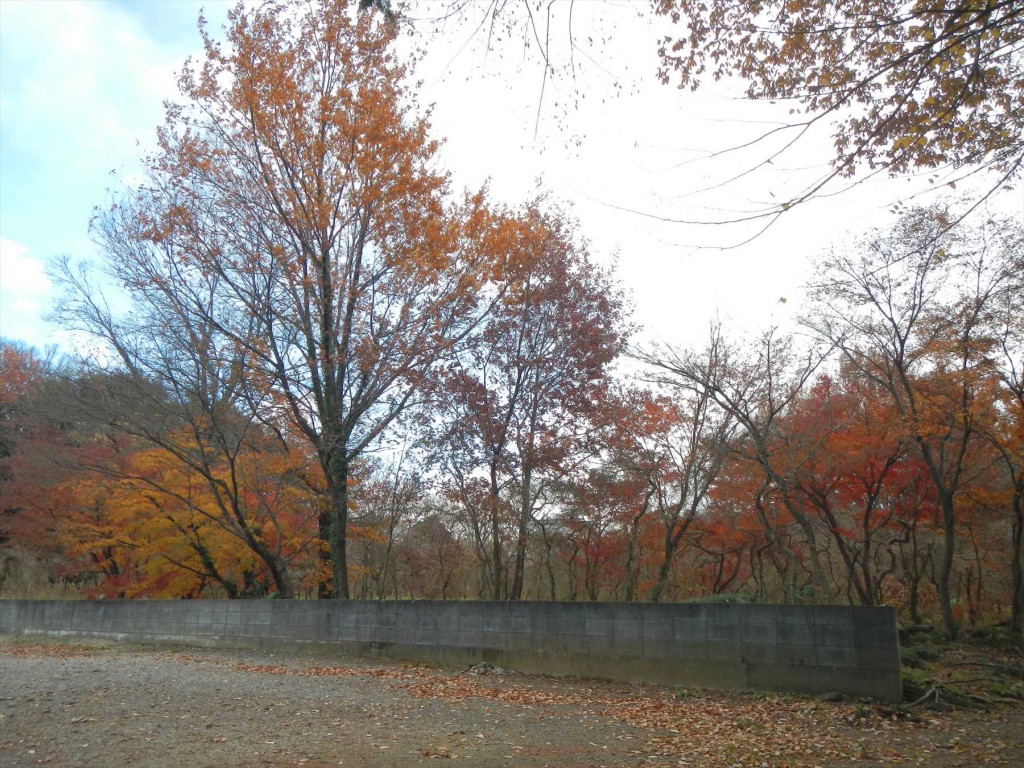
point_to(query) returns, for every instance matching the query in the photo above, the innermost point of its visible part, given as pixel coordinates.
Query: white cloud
(25, 293)
(20, 274)
(81, 93)
(85, 74)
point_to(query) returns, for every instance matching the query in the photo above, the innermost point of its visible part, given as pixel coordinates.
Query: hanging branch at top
(915, 85)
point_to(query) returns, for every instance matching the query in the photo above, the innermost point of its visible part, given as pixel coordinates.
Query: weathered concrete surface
(809, 649)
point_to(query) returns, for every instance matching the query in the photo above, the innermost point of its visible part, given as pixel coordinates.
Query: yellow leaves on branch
(898, 77)
(152, 526)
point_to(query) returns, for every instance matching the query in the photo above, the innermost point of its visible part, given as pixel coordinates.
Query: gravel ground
(115, 705)
(67, 705)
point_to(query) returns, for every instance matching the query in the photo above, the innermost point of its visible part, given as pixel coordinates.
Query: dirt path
(75, 705)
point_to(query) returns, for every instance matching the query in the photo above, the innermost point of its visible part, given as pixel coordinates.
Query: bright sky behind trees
(81, 92)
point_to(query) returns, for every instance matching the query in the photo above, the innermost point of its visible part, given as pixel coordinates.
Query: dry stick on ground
(933, 690)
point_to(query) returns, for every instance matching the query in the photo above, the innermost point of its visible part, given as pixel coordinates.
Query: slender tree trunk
(495, 550)
(494, 501)
(548, 567)
(387, 555)
(1017, 535)
(946, 568)
(547, 563)
(525, 513)
(633, 571)
(826, 593)
(824, 586)
(277, 569)
(757, 571)
(672, 538)
(323, 587)
(572, 572)
(630, 595)
(774, 540)
(723, 581)
(913, 571)
(663, 571)
(202, 551)
(847, 552)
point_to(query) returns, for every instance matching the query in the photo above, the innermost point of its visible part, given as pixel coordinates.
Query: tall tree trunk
(495, 550)
(659, 585)
(525, 513)
(946, 567)
(337, 489)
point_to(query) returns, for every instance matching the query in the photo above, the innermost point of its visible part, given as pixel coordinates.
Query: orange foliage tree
(841, 445)
(134, 493)
(293, 207)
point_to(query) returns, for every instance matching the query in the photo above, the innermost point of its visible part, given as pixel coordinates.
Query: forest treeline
(307, 367)
(874, 457)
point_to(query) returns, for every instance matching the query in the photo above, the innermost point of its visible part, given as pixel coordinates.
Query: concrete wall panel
(810, 649)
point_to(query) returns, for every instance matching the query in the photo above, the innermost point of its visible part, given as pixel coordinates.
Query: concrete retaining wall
(810, 649)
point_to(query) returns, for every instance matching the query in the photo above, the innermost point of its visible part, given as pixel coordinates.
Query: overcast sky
(81, 92)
